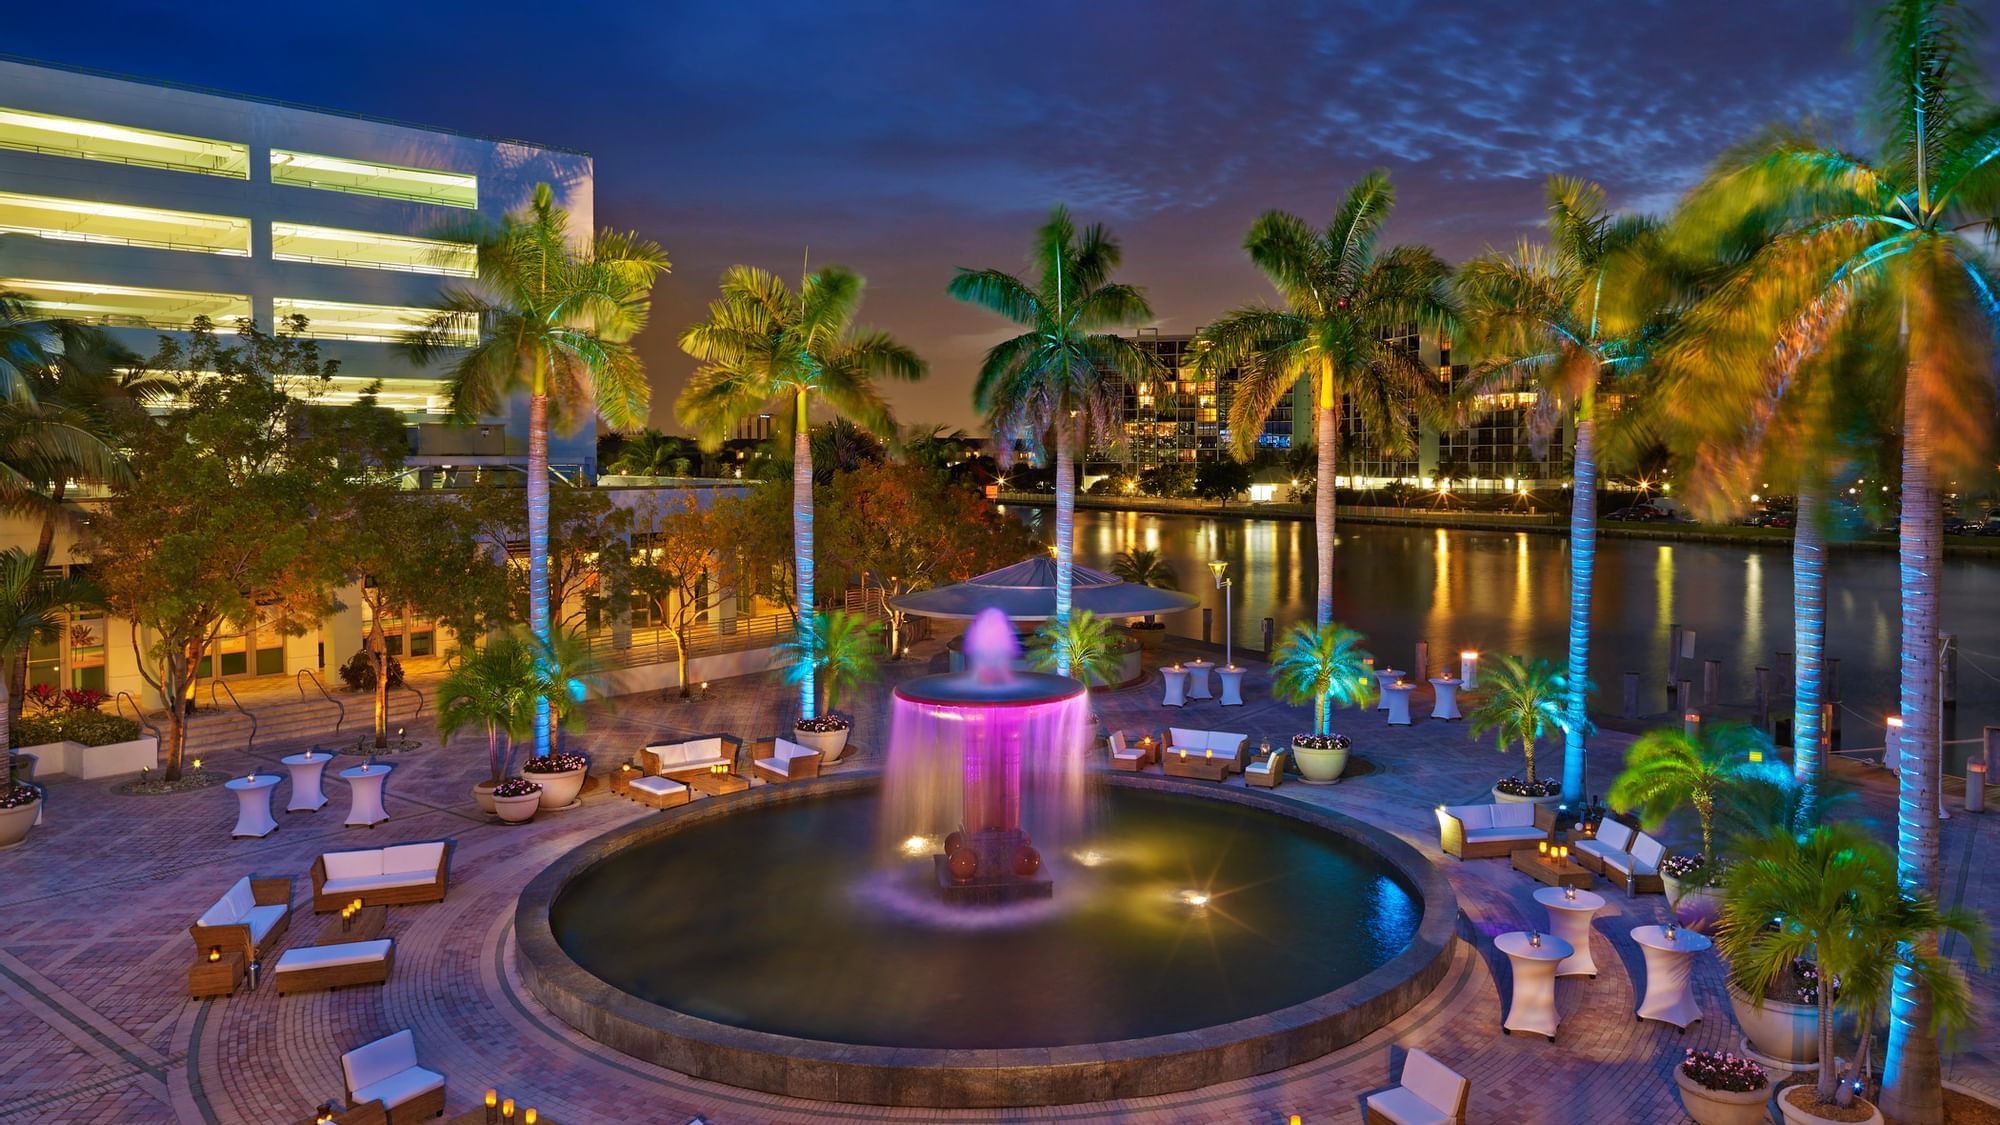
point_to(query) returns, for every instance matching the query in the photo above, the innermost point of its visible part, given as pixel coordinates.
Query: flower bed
(21, 794)
(516, 787)
(1520, 787)
(556, 763)
(1322, 741)
(1724, 1070)
(1689, 869)
(90, 727)
(823, 725)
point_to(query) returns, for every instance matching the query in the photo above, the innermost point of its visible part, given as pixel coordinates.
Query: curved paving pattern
(100, 1030)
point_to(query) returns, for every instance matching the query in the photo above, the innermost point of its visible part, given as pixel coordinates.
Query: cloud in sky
(905, 139)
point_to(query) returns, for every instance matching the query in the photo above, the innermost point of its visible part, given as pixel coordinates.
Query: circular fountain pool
(767, 941)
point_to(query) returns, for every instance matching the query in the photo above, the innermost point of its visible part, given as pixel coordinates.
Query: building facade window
(366, 177)
(52, 135)
(118, 224)
(298, 242)
(129, 306)
(340, 320)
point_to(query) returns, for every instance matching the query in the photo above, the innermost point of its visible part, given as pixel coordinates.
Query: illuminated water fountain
(989, 760)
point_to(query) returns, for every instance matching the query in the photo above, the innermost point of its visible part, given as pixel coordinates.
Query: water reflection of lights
(1089, 857)
(1196, 899)
(917, 846)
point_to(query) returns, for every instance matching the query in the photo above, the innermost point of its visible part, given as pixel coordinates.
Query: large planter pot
(1149, 637)
(514, 810)
(1722, 1107)
(829, 743)
(1795, 1116)
(1499, 798)
(1321, 766)
(559, 790)
(1780, 1031)
(15, 823)
(1696, 906)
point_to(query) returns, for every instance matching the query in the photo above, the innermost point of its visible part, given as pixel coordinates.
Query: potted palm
(566, 671)
(516, 800)
(493, 687)
(1831, 896)
(31, 609)
(1525, 699)
(1668, 769)
(1146, 568)
(1322, 665)
(834, 651)
(1084, 644)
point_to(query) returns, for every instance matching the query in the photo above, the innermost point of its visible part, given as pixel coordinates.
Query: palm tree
(764, 349)
(555, 320)
(651, 453)
(1525, 699)
(494, 687)
(1668, 768)
(1833, 893)
(1884, 252)
(1058, 376)
(569, 671)
(1539, 318)
(1142, 567)
(1082, 646)
(31, 611)
(833, 649)
(1346, 323)
(1323, 665)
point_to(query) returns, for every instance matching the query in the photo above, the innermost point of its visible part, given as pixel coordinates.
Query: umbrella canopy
(1026, 591)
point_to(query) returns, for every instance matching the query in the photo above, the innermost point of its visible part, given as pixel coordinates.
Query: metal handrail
(138, 712)
(412, 688)
(238, 704)
(308, 673)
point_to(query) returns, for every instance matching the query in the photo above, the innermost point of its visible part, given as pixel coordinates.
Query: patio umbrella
(1026, 591)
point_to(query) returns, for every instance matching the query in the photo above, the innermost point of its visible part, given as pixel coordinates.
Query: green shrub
(92, 728)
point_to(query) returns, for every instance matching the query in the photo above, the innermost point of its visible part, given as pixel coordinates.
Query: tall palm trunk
(45, 542)
(378, 652)
(1582, 567)
(802, 543)
(1065, 532)
(1912, 1075)
(1808, 644)
(1326, 432)
(538, 542)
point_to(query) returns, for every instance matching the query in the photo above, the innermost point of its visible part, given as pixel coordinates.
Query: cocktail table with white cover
(1570, 911)
(1383, 678)
(1533, 1008)
(1669, 971)
(364, 789)
(1175, 678)
(253, 805)
(1445, 705)
(1232, 685)
(1397, 696)
(1197, 671)
(307, 769)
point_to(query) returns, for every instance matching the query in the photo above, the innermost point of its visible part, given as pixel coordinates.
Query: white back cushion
(412, 857)
(1225, 743)
(703, 748)
(1431, 1080)
(1513, 814)
(234, 905)
(1117, 742)
(1191, 739)
(1473, 816)
(353, 865)
(369, 1064)
(1647, 850)
(787, 749)
(1613, 834)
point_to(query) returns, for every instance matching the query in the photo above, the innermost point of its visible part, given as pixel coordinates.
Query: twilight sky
(906, 139)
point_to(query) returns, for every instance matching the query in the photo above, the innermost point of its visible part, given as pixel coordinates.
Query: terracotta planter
(1500, 798)
(514, 810)
(1319, 766)
(1722, 1107)
(829, 743)
(1781, 1031)
(15, 823)
(1795, 1116)
(482, 795)
(559, 789)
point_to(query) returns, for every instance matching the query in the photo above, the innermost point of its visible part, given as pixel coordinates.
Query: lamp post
(1220, 568)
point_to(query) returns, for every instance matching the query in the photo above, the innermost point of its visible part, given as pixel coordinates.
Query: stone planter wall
(74, 759)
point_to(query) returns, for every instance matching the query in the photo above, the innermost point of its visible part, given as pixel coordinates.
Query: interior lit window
(405, 396)
(121, 144)
(296, 242)
(365, 177)
(118, 224)
(338, 320)
(130, 306)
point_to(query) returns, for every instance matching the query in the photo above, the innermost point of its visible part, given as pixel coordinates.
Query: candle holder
(1535, 938)
(1672, 932)
(1569, 893)
(1542, 847)
(326, 1113)
(492, 1107)
(507, 1111)
(529, 1117)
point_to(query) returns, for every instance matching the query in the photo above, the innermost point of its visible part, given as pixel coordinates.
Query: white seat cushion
(377, 882)
(1404, 1108)
(385, 1057)
(1597, 848)
(400, 1087)
(327, 956)
(777, 765)
(658, 786)
(1614, 835)
(1261, 767)
(413, 857)
(1629, 864)
(1488, 834)
(261, 919)
(352, 865)
(1472, 816)
(1130, 755)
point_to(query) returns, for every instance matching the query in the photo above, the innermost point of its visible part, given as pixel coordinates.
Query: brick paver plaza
(97, 904)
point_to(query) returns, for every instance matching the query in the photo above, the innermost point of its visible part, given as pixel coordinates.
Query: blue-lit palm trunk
(1808, 645)
(802, 542)
(1582, 567)
(1065, 534)
(1911, 1074)
(538, 544)
(1326, 422)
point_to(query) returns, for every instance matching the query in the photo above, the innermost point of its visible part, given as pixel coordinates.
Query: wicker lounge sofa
(1487, 831)
(386, 1071)
(1431, 1093)
(393, 876)
(1267, 774)
(250, 917)
(786, 761)
(314, 968)
(1222, 744)
(1637, 870)
(690, 756)
(1127, 757)
(1612, 838)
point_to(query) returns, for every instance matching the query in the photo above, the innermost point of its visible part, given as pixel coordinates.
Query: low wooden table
(367, 1113)
(1550, 871)
(366, 926)
(621, 780)
(477, 1116)
(715, 784)
(1196, 766)
(208, 978)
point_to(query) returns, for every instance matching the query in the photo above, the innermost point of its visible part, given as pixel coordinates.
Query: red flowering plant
(1723, 1070)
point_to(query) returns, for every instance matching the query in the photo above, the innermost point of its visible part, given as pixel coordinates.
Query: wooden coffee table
(1202, 768)
(366, 926)
(716, 784)
(1550, 871)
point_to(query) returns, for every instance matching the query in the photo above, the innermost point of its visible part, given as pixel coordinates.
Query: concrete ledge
(74, 759)
(905, 1076)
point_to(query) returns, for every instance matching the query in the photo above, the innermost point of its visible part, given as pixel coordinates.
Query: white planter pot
(1722, 1107)
(482, 795)
(514, 810)
(559, 789)
(1551, 800)
(829, 743)
(1781, 1031)
(15, 823)
(1696, 906)
(1795, 1116)
(1319, 766)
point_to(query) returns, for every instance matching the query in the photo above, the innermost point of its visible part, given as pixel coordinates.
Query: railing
(234, 702)
(138, 713)
(656, 645)
(412, 689)
(307, 673)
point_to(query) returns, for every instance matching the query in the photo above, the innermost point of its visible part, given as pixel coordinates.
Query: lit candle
(215, 953)
(1569, 893)
(529, 1117)
(507, 1110)
(1535, 938)
(492, 1107)
(1183, 753)
(1671, 931)
(1542, 846)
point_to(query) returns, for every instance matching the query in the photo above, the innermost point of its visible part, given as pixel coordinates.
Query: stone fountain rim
(822, 1070)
